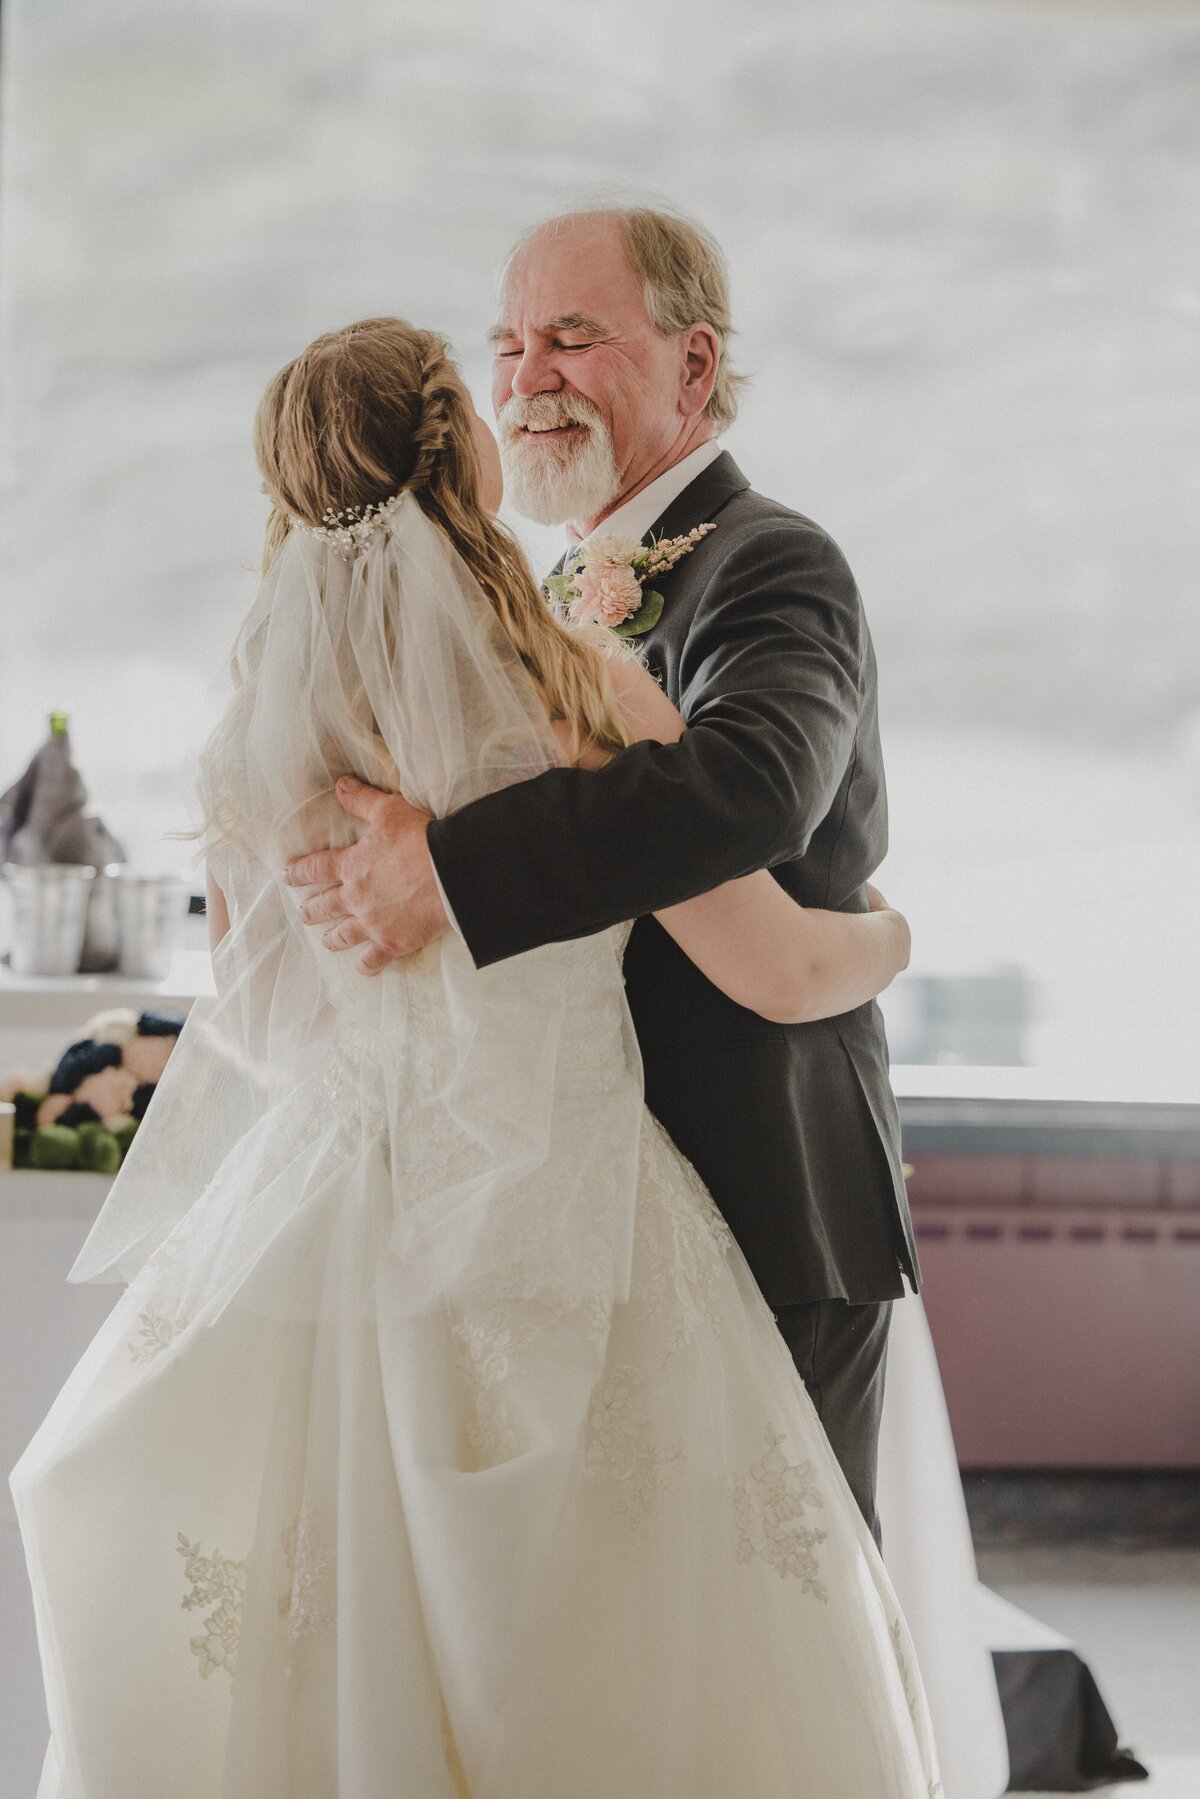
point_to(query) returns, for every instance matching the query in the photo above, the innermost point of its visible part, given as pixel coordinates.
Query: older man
(611, 387)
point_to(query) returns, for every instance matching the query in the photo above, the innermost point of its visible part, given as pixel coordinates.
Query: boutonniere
(610, 582)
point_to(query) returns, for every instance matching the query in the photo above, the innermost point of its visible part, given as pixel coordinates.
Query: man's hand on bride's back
(381, 890)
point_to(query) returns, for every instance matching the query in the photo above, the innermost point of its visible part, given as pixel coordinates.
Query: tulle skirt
(515, 1545)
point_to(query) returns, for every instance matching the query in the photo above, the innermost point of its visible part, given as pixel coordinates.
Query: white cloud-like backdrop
(967, 277)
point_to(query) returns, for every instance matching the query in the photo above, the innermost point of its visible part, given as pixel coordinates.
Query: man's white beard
(565, 478)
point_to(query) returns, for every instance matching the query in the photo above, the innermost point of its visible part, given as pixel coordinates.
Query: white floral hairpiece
(351, 532)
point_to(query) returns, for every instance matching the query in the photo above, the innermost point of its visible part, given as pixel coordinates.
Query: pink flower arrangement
(111, 1090)
(610, 581)
(144, 1059)
(605, 596)
(85, 1110)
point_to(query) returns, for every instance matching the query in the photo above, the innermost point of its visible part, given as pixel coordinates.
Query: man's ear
(701, 360)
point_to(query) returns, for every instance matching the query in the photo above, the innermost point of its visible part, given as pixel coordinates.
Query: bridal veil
(371, 650)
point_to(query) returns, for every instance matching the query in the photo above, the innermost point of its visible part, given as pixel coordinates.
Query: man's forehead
(579, 272)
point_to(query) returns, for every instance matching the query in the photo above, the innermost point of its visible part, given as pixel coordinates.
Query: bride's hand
(877, 903)
(380, 890)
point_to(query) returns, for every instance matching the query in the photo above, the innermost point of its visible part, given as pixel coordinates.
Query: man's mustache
(543, 412)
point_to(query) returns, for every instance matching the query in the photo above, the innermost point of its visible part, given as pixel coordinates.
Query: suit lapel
(698, 504)
(700, 500)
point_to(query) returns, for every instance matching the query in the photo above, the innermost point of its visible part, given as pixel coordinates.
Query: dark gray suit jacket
(764, 648)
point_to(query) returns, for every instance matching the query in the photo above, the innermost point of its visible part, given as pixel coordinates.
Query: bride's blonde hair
(378, 407)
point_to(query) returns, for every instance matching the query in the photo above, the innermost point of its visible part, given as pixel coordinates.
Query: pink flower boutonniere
(609, 583)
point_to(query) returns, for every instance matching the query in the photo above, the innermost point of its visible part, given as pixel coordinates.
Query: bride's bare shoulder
(646, 707)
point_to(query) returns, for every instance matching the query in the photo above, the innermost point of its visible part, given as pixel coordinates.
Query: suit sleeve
(769, 685)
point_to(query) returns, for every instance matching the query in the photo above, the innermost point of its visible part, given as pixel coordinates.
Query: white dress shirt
(633, 518)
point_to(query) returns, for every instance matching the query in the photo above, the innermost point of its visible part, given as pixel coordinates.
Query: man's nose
(535, 373)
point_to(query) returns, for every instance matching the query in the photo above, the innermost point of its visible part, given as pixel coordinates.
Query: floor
(1134, 1615)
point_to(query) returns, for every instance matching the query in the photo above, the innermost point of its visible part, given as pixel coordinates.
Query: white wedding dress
(441, 1443)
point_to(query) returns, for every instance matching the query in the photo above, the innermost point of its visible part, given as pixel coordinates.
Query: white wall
(968, 277)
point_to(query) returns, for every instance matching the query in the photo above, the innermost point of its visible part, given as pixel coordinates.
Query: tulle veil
(375, 653)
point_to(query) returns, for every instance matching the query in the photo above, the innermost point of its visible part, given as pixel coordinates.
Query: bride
(442, 1443)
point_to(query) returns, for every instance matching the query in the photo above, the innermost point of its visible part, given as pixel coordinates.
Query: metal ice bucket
(150, 914)
(49, 915)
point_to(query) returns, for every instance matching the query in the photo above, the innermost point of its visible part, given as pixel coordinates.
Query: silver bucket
(49, 916)
(99, 953)
(150, 914)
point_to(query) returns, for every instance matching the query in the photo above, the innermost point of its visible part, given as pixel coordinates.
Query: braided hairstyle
(378, 407)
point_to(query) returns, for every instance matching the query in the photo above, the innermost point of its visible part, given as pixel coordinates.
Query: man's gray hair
(685, 281)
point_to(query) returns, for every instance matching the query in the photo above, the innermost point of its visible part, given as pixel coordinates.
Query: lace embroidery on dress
(485, 1348)
(770, 1502)
(165, 1314)
(532, 1293)
(905, 1667)
(307, 1605)
(157, 1329)
(621, 1446)
(681, 1243)
(901, 1647)
(491, 1343)
(352, 1086)
(218, 1582)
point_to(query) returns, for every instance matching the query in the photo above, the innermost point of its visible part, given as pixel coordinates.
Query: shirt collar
(635, 517)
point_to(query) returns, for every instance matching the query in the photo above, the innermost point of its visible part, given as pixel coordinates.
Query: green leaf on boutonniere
(645, 618)
(558, 587)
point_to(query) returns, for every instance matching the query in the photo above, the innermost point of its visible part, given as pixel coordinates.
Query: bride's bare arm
(216, 911)
(789, 963)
